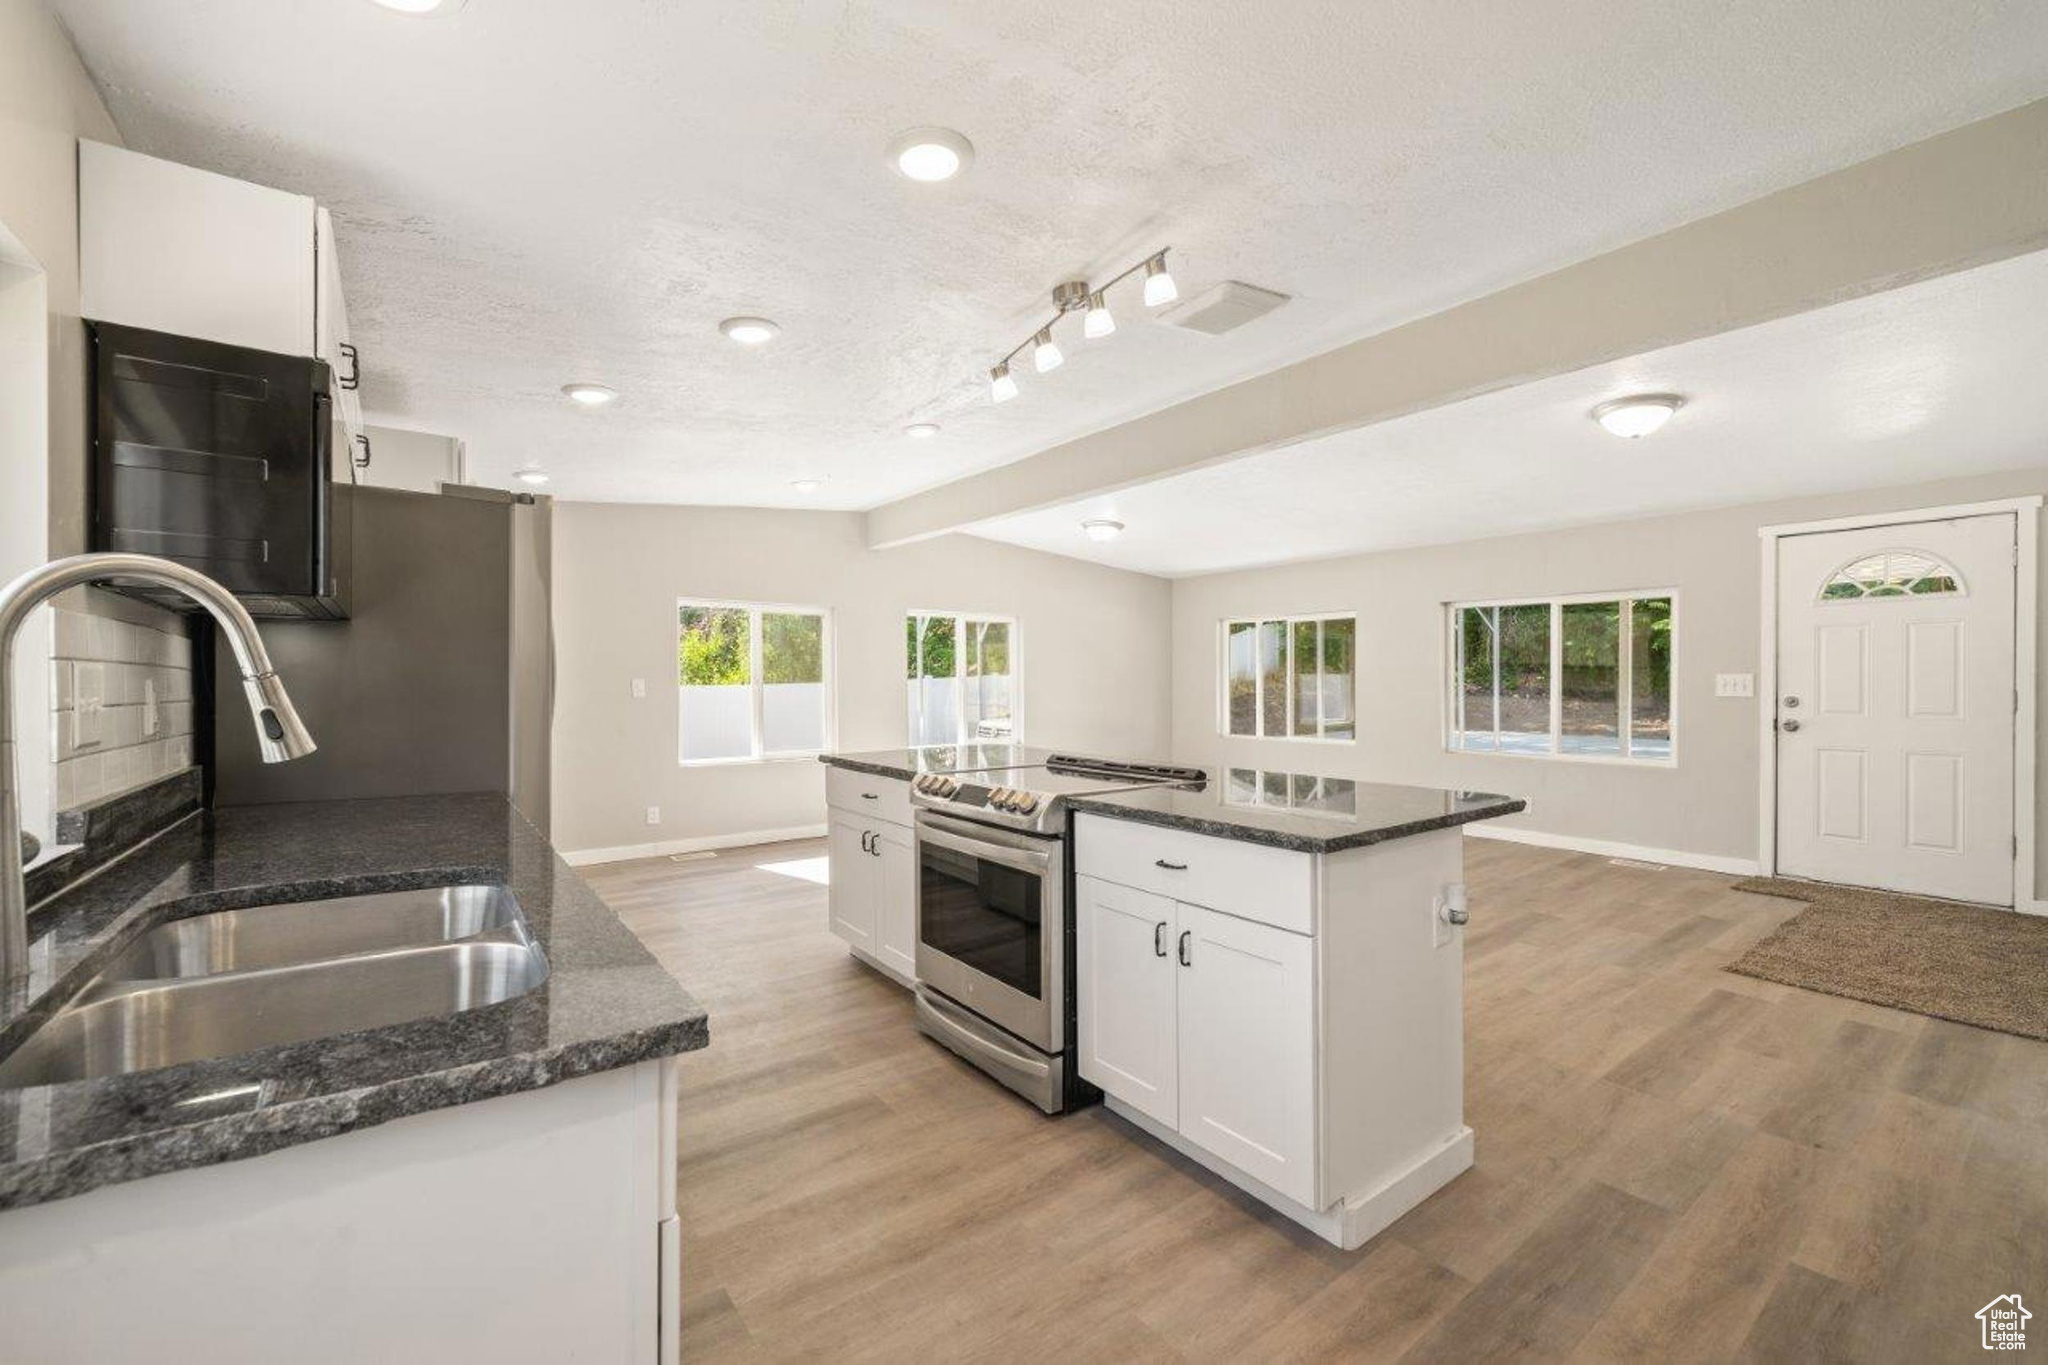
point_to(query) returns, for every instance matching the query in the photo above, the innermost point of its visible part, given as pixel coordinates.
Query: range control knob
(1026, 803)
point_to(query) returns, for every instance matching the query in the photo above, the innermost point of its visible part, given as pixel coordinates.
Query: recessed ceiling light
(930, 154)
(530, 475)
(749, 331)
(921, 431)
(1639, 414)
(1102, 528)
(806, 485)
(590, 395)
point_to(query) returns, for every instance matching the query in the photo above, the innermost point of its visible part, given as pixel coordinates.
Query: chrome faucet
(279, 733)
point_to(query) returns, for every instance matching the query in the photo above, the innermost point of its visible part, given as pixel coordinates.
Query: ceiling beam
(1966, 198)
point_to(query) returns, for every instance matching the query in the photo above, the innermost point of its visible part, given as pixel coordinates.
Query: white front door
(1895, 707)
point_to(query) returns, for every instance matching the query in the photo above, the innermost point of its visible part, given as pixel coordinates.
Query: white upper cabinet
(186, 251)
(333, 344)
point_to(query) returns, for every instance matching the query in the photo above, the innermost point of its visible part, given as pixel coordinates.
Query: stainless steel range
(995, 921)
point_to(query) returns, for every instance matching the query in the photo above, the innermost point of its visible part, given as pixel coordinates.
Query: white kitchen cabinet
(852, 897)
(1246, 1014)
(334, 344)
(181, 250)
(872, 897)
(1125, 1001)
(1304, 1039)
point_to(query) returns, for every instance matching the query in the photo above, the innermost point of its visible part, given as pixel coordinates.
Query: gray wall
(1093, 643)
(1707, 804)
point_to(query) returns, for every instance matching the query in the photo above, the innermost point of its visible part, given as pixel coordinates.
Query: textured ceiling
(1934, 380)
(529, 192)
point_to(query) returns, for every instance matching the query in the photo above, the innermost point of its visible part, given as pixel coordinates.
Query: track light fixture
(1078, 296)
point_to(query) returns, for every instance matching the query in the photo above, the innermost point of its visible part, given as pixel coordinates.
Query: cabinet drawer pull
(1170, 867)
(1184, 960)
(1159, 939)
(869, 796)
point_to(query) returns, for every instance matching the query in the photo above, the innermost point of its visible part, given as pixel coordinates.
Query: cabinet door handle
(875, 844)
(1185, 961)
(362, 461)
(865, 835)
(354, 377)
(1170, 867)
(1159, 939)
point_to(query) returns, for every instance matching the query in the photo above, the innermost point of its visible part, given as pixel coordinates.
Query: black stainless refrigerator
(442, 678)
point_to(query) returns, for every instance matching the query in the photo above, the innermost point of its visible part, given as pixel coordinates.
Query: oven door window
(983, 915)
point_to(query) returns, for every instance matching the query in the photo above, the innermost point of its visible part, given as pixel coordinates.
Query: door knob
(1791, 727)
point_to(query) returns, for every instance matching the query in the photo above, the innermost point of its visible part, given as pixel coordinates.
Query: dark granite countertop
(1299, 811)
(908, 763)
(605, 1004)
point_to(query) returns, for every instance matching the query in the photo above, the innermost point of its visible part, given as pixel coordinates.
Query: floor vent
(1637, 863)
(699, 856)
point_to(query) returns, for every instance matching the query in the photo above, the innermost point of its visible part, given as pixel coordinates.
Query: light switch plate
(654, 815)
(1735, 684)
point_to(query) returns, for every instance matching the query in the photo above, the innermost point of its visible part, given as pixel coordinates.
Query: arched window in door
(1891, 573)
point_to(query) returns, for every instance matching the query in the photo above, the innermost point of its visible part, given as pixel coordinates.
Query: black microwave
(217, 457)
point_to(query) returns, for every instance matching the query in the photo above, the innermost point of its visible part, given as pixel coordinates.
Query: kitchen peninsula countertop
(606, 1002)
(1298, 811)
(905, 764)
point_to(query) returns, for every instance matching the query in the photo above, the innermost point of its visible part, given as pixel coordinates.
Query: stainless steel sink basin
(284, 974)
(312, 931)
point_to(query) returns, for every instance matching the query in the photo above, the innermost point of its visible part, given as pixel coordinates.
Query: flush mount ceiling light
(749, 331)
(421, 7)
(930, 155)
(806, 485)
(1102, 528)
(921, 431)
(1637, 415)
(531, 475)
(590, 395)
(1079, 296)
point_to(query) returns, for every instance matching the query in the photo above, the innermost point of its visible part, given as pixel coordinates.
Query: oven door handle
(1023, 859)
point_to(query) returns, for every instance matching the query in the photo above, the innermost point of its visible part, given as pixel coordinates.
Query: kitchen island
(491, 1181)
(1270, 981)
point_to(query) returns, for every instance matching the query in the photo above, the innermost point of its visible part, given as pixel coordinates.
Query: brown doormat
(1975, 966)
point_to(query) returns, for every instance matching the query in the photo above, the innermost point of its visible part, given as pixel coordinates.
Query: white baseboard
(2037, 907)
(1674, 857)
(1350, 1222)
(583, 857)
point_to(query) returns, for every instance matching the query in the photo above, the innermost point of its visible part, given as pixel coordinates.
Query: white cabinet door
(185, 251)
(895, 889)
(334, 345)
(1247, 1047)
(851, 894)
(1124, 961)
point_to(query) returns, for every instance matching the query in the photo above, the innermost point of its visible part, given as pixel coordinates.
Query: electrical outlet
(654, 815)
(640, 690)
(1735, 684)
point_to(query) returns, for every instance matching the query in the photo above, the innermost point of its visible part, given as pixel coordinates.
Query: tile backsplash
(121, 697)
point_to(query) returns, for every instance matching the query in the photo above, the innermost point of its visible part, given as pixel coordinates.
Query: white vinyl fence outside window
(962, 679)
(1290, 677)
(754, 681)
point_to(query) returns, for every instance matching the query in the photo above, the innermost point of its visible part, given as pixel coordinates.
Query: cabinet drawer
(1270, 885)
(878, 798)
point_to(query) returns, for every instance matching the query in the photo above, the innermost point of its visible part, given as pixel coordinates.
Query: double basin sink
(218, 985)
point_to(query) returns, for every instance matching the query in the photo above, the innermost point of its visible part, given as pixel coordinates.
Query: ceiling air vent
(1225, 308)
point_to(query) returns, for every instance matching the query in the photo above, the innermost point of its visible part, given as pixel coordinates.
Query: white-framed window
(1582, 677)
(754, 681)
(963, 678)
(1290, 677)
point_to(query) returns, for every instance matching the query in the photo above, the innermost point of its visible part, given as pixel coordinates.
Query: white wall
(1706, 805)
(46, 104)
(1093, 644)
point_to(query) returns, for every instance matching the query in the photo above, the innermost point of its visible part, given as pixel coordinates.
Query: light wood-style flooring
(1674, 1163)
